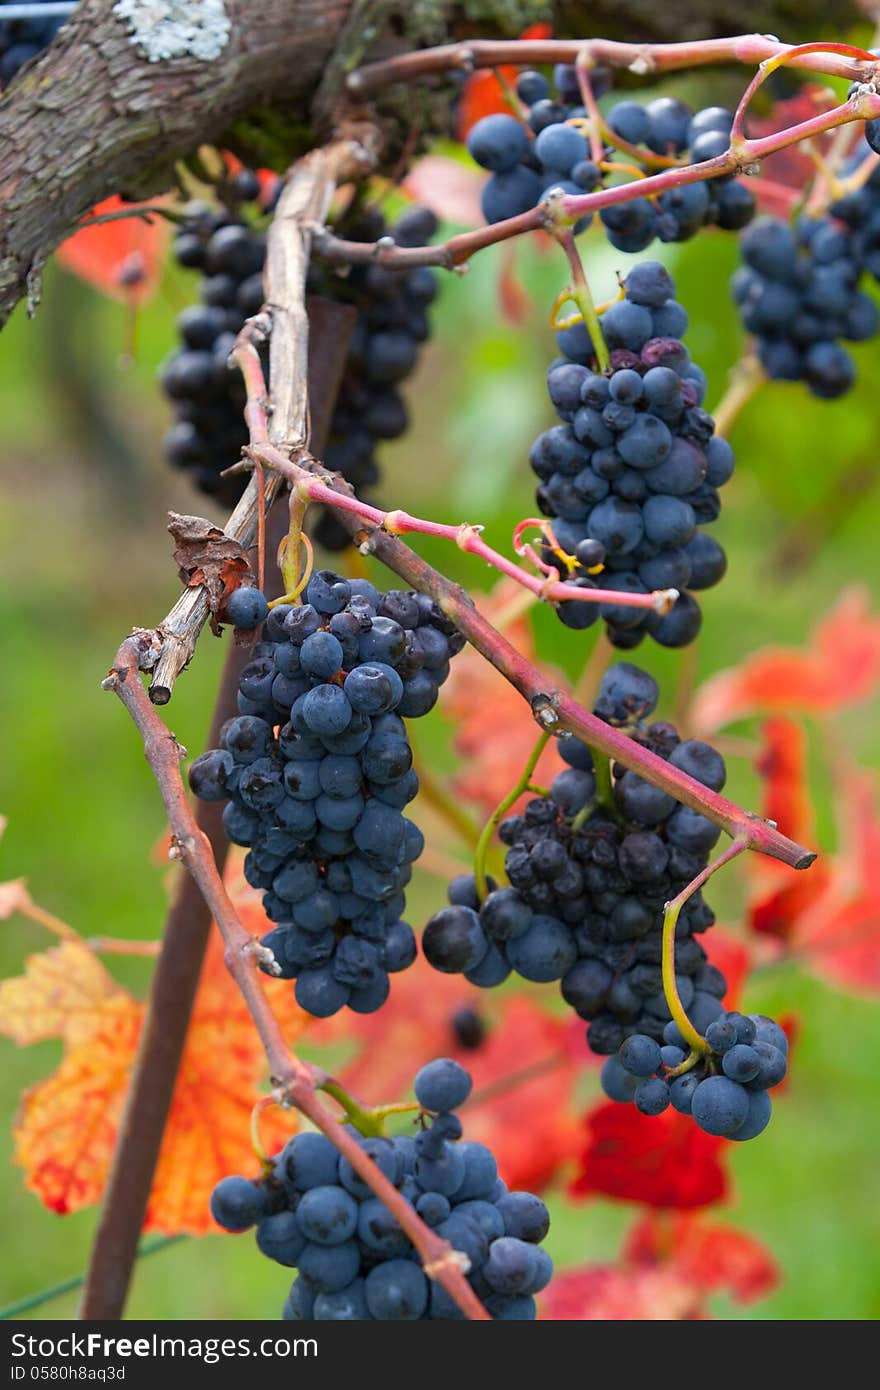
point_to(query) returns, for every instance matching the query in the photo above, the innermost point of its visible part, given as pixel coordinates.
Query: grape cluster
(588, 884)
(23, 39)
(633, 471)
(549, 149)
(317, 769)
(798, 292)
(725, 1092)
(208, 399)
(314, 1213)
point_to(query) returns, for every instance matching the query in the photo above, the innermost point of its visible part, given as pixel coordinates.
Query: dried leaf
(67, 1126)
(206, 555)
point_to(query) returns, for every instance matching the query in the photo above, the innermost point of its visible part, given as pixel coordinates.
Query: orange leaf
(66, 1128)
(68, 1124)
(705, 1254)
(208, 1132)
(122, 259)
(495, 729)
(65, 992)
(839, 667)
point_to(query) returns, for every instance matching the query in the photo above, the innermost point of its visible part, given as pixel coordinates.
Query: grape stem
(695, 1041)
(368, 1120)
(465, 535)
(295, 1083)
(500, 812)
(580, 293)
(554, 210)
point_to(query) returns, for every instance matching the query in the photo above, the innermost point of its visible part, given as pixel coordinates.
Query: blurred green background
(85, 555)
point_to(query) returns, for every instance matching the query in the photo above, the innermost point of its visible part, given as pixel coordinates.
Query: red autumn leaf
(449, 188)
(495, 730)
(484, 94)
(663, 1161)
(611, 1293)
(710, 1257)
(839, 933)
(839, 667)
(523, 1046)
(829, 916)
(122, 259)
(782, 765)
(783, 895)
(790, 169)
(732, 957)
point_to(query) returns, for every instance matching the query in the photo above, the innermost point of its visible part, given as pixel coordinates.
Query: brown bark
(92, 116)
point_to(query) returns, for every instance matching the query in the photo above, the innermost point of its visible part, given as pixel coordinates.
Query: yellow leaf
(65, 992)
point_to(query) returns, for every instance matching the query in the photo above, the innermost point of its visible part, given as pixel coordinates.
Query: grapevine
(590, 886)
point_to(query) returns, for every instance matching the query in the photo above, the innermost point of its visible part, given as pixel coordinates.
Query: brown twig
(294, 1081)
(160, 1047)
(641, 58)
(303, 202)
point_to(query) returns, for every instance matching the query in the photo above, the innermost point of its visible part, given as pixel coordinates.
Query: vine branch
(304, 201)
(295, 1082)
(643, 59)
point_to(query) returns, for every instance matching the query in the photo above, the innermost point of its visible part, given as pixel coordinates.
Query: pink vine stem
(465, 536)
